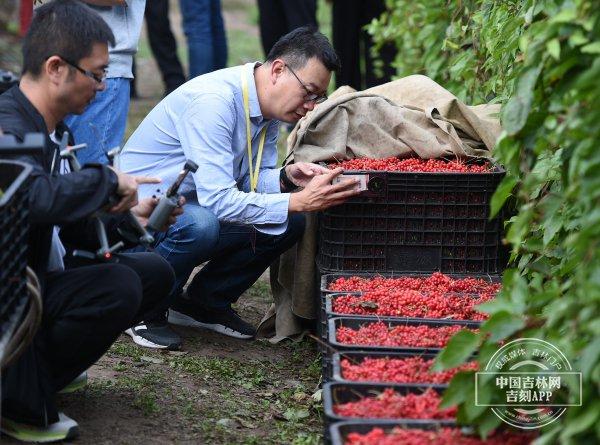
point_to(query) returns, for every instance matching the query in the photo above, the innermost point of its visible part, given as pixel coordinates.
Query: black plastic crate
(328, 278)
(337, 393)
(14, 227)
(356, 322)
(415, 222)
(360, 355)
(331, 314)
(326, 367)
(340, 430)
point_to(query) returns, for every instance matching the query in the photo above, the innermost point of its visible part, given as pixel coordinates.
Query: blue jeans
(102, 124)
(205, 34)
(234, 264)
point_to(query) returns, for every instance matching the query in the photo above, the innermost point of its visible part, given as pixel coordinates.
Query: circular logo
(527, 375)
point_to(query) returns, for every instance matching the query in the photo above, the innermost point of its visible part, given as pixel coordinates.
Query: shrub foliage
(541, 60)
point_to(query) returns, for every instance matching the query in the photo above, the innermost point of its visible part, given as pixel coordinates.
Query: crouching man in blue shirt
(240, 214)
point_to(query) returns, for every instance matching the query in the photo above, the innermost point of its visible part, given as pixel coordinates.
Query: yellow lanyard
(253, 172)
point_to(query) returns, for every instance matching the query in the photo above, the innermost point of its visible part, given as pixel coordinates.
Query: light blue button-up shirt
(204, 121)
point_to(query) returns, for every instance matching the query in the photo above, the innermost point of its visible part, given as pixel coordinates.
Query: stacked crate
(405, 224)
(14, 227)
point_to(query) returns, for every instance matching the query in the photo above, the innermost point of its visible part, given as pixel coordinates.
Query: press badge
(363, 180)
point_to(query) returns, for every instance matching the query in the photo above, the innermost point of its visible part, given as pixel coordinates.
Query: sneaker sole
(23, 433)
(141, 341)
(75, 385)
(180, 319)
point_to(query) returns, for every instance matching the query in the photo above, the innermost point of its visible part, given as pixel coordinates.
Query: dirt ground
(216, 390)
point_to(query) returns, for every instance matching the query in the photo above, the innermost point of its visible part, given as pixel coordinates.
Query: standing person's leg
(133, 84)
(235, 265)
(345, 27)
(219, 36)
(198, 32)
(387, 53)
(271, 22)
(163, 44)
(102, 124)
(300, 13)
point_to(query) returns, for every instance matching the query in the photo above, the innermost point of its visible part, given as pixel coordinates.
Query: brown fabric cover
(400, 118)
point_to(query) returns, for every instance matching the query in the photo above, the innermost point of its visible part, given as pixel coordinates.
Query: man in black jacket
(86, 308)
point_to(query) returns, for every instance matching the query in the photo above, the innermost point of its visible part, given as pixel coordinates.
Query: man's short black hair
(66, 28)
(302, 44)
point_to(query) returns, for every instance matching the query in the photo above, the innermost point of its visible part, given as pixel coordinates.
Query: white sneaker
(65, 429)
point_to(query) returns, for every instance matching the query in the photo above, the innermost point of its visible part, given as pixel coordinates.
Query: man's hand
(301, 173)
(146, 206)
(127, 190)
(320, 194)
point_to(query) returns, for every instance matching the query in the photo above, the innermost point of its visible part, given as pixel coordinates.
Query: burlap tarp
(409, 115)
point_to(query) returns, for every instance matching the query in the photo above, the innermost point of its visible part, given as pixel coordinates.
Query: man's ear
(55, 68)
(277, 69)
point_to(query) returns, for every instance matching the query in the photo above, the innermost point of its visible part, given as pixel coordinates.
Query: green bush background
(541, 61)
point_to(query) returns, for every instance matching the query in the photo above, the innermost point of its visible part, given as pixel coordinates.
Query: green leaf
(460, 347)
(589, 358)
(551, 227)
(516, 111)
(553, 47)
(495, 305)
(549, 437)
(502, 193)
(455, 393)
(564, 16)
(488, 422)
(586, 418)
(578, 39)
(591, 48)
(501, 325)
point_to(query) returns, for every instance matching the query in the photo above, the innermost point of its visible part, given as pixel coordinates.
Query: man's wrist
(285, 183)
(295, 204)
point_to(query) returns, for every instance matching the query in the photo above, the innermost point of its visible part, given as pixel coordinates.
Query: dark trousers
(163, 44)
(240, 257)
(352, 43)
(235, 255)
(84, 311)
(278, 17)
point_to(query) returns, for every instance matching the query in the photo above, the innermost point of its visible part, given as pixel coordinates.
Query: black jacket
(54, 199)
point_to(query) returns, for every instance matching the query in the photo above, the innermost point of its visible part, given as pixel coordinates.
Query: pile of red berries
(411, 303)
(435, 282)
(380, 334)
(399, 370)
(391, 405)
(394, 164)
(443, 436)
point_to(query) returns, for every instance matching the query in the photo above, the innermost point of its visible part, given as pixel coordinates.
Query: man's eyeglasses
(87, 73)
(310, 96)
